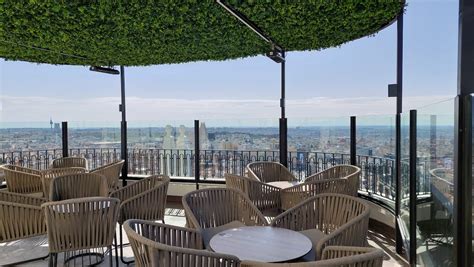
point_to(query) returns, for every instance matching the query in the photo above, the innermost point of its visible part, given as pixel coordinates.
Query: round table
(261, 243)
(283, 184)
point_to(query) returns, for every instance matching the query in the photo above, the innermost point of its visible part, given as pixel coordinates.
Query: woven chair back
(78, 186)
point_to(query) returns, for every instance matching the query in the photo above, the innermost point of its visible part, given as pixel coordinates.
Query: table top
(283, 184)
(261, 243)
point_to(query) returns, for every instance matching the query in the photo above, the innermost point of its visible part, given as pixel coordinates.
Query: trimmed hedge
(138, 32)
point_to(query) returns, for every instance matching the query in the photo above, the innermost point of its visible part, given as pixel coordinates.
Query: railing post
(283, 142)
(64, 138)
(353, 141)
(197, 152)
(413, 196)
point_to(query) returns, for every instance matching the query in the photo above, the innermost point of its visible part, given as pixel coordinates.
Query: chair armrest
(353, 233)
(18, 198)
(294, 195)
(144, 205)
(334, 252)
(264, 196)
(128, 191)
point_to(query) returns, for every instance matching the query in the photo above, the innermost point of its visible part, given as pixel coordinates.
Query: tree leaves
(136, 32)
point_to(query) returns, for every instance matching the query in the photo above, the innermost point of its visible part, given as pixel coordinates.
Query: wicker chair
(68, 162)
(78, 186)
(265, 197)
(218, 209)
(80, 224)
(112, 172)
(20, 217)
(269, 172)
(22, 180)
(291, 196)
(335, 256)
(49, 174)
(348, 172)
(328, 220)
(145, 199)
(156, 244)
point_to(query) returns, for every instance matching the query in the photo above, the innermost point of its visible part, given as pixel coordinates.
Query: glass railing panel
(228, 145)
(375, 149)
(435, 185)
(161, 147)
(98, 142)
(30, 144)
(404, 213)
(315, 144)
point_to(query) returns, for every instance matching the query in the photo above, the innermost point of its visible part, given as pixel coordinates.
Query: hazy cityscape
(376, 141)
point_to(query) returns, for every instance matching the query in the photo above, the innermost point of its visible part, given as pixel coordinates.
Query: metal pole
(413, 163)
(463, 137)
(398, 135)
(283, 121)
(353, 141)
(123, 128)
(197, 152)
(65, 139)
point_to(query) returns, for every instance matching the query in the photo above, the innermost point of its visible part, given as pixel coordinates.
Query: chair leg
(110, 257)
(116, 251)
(121, 247)
(53, 259)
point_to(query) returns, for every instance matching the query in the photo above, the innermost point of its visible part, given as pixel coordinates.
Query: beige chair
(78, 186)
(265, 197)
(80, 224)
(218, 209)
(269, 172)
(112, 172)
(22, 180)
(328, 220)
(156, 244)
(145, 199)
(333, 256)
(350, 173)
(48, 175)
(294, 195)
(68, 162)
(21, 217)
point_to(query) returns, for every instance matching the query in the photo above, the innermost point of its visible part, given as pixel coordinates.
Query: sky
(327, 85)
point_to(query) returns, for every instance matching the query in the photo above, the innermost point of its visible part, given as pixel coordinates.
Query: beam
(463, 137)
(398, 134)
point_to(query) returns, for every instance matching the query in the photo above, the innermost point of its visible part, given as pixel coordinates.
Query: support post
(123, 128)
(65, 139)
(398, 133)
(463, 137)
(413, 186)
(283, 120)
(197, 153)
(353, 148)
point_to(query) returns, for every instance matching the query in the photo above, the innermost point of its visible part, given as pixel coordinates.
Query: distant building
(204, 137)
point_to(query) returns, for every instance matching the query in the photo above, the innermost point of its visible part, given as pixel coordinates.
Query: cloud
(213, 111)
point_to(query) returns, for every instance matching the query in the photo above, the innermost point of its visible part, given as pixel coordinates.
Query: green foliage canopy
(151, 32)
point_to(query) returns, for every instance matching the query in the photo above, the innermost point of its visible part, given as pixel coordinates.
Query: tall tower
(204, 137)
(51, 122)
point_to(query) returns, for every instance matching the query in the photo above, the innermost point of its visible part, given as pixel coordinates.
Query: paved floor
(36, 247)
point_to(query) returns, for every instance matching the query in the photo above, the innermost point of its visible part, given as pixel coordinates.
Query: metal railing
(377, 177)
